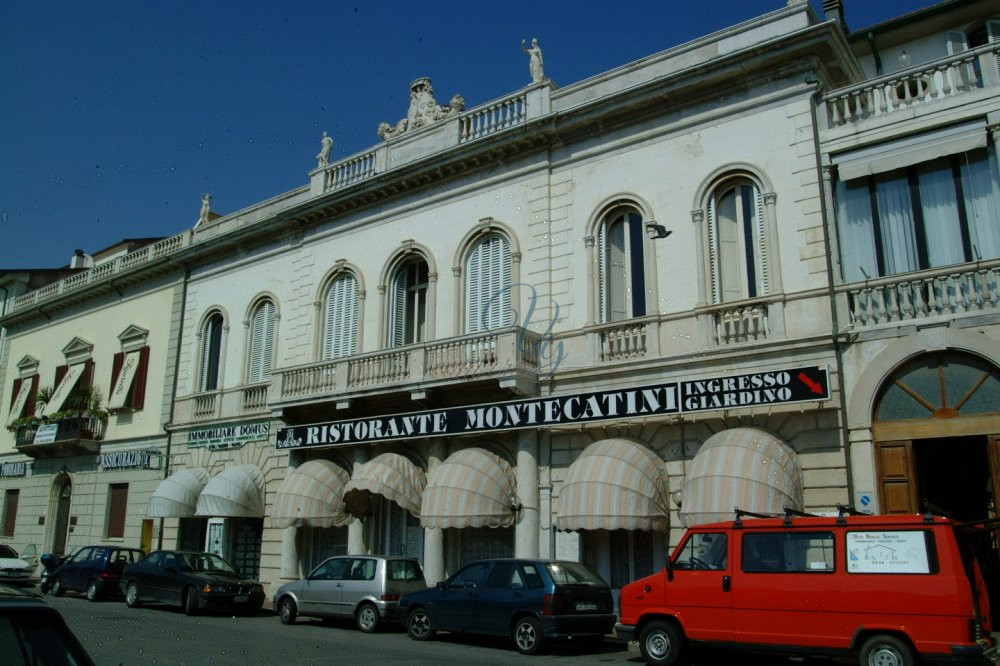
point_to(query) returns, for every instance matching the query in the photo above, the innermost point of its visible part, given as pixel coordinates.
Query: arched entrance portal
(62, 495)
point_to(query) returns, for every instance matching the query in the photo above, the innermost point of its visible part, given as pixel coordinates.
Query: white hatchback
(12, 568)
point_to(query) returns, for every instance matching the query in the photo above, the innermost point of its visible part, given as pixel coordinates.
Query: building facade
(571, 321)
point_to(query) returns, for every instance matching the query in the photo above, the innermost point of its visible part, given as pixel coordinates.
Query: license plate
(240, 598)
(586, 605)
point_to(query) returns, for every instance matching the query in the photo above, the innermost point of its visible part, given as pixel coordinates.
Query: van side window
(892, 552)
(703, 551)
(788, 552)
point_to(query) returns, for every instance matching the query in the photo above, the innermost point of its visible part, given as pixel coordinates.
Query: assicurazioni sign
(748, 390)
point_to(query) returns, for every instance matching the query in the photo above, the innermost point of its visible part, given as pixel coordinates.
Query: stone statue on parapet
(323, 157)
(206, 209)
(423, 110)
(535, 64)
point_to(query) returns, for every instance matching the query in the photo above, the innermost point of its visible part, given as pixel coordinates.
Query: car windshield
(206, 562)
(573, 573)
(7, 551)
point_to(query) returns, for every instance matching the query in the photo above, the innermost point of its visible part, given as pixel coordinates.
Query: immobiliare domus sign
(727, 392)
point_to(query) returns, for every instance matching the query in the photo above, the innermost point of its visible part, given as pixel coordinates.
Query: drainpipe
(173, 392)
(826, 215)
(875, 55)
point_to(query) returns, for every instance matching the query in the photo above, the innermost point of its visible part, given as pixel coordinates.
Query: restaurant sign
(726, 392)
(229, 436)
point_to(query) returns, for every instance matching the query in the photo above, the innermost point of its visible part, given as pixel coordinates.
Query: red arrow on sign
(814, 386)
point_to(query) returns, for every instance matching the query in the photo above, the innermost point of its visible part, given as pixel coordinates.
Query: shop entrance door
(62, 517)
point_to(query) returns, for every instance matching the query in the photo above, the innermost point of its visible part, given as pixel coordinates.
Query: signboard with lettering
(887, 552)
(10, 469)
(134, 459)
(748, 390)
(46, 434)
(229, 436)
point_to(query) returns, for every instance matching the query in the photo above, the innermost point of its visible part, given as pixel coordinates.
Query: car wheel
(528, 635)
(660, 644)
(57, 588)
(418, 623)
(132, 595)
(287, 610)
(883, 650)
(368, 618)
(92, 592)
(190, 601)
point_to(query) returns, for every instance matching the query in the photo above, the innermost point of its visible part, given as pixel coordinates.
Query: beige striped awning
(391, 475)
(312, 495)
(747, 468)
(177, 495)
(615, 484)
(471, 488)
(236, 491)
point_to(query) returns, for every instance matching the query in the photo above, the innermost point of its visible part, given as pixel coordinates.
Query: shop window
(621, 241)
(487, 285)
(11, 497)
(408, 303)
(340, 317)
(261, 342)
(117, 506)
(211, 352)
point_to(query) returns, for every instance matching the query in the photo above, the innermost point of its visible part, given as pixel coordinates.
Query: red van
(887, 589)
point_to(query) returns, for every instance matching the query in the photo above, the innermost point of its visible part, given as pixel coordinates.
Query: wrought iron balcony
(70, 436)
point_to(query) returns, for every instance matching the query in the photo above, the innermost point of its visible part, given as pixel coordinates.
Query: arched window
(622, 265)
(340, 317)
(487, 282)
(737, 235)
(211, 352)
(261, 342)
(408, 303)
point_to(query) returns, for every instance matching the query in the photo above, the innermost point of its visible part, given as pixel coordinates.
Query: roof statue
(206, 209)
(326, 145)
(535, 64)
(423, 110)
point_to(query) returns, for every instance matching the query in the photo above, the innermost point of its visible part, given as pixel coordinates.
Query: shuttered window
(10, 500)
(340, 317)
(738, 255)
(488, 278)
(261, 342)
(117, 505)
(128, 382)
(408, 304)
(622, 266)
(211, 352)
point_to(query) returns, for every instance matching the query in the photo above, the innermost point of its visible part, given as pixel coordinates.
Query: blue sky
(116, 116)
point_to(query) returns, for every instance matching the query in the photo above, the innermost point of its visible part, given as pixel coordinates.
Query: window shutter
(60, 373)
(761, 233)
(473, 277)
(602, 271)
(13, 396)
(341, 319)
(261, 342)
(32, 396)
(116, 367)
(397, 308)
(957, 43)
(993, 34)
(617, 262)
(713, 251)
(211, 353)
(139, 383)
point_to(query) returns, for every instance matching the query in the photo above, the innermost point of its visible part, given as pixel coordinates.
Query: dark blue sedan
(529, 600)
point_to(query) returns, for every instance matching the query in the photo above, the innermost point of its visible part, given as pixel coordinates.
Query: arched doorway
(62, 497)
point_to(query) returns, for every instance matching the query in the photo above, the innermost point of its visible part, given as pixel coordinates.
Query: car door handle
(727, 583)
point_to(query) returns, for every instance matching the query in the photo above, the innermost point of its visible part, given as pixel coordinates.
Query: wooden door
(897, 474)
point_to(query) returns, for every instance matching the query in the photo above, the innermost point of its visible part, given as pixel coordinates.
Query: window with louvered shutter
(621, 263)
(488, 278)
(340, 318)
(211, 352)
(408, 304)
(737, 233)
(261, 342)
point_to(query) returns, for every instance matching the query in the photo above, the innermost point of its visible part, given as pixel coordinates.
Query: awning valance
(311, 495)
(471, 488)
(911, 150)
(391, 475)
(177, 495)
(745, 467)
(615, 484)
(236, 492)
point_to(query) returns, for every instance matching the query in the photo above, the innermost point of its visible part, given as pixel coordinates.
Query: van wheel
(660, 644)
(287, 610)
(92, 593)
(368, 618)
(190, 601)
(528, 635)
(884, 650)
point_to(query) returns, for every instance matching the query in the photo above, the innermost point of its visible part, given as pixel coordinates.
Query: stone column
(434, 570)
(357, 543)
(776, 309)
(526, 528)
(289, 553)
(592, 313)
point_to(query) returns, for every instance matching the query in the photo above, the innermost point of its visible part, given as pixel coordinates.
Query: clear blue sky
(115, 116)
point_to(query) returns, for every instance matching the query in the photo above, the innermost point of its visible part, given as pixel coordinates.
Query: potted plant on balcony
(82, 411)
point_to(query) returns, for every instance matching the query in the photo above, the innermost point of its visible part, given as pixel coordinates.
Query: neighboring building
(571, 320)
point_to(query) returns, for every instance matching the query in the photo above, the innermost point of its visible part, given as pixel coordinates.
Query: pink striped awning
(471, 488)
(747, 468)
(393, 476)
(312, 495)
(615, 484)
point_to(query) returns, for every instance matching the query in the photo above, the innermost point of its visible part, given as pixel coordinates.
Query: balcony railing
(246, 400)
(73, 436)
(741, 323)
(948, 77)
(939, 293)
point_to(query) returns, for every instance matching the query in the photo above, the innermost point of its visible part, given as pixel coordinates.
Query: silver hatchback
(365, 587)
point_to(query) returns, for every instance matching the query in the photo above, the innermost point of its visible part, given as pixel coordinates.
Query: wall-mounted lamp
(654, 230)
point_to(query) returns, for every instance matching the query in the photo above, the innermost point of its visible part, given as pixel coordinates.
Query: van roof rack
(740, 513)
(789, 512)
(844, 510)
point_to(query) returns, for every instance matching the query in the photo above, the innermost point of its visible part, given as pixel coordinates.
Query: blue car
(531, 601)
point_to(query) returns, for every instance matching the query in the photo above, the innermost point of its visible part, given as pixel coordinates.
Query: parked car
(32, 632)
(94, 570)
(12, 568)
(366, 588)
(194, 581)
(888, 590)
(529, 600)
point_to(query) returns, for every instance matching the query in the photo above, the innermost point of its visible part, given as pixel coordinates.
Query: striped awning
(312, 495)
(471, 488)
(236, 492)
(177, 495)
(615, 484)
(747, 468)
(391, 475)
